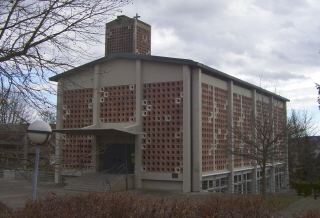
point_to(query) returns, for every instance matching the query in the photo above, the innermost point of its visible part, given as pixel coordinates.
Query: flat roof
(207, 70)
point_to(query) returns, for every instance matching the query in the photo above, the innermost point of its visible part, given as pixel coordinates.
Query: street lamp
(39, 132)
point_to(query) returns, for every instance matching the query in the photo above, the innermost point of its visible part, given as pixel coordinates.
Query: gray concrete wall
(242, 91)
(118, 72)
(214, 81)
(187, 144)
(196, 104)
(164, 185)
(153, 72)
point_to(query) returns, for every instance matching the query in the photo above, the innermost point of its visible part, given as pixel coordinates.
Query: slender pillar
(58, 147)
(272, 169)
(230, 138)
(196, 171)
(138, 138)
(187, 179)
(95, 154)
(96, 96)
(96, 115)
(134, 43)
(286, 164)
(254, 171)
(35, 174)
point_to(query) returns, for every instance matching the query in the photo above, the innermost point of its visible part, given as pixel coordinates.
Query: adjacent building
(17, 150)
(167, 120)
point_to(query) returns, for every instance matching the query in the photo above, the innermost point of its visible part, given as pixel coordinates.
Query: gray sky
(271, 43)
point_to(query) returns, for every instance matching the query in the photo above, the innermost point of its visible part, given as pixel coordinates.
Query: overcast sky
(270, 43)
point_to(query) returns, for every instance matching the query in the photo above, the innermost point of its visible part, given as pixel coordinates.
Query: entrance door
(117, 158)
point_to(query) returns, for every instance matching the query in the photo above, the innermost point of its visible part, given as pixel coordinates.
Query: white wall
(214, 81)
(118, 72)
(78, 80)
(153, 72)
(242, 91)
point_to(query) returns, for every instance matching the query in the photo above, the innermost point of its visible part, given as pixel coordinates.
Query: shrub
(306, 188)
(131, 205)
(103, 205)
(5, 211)
(237, 206)
(308, 214)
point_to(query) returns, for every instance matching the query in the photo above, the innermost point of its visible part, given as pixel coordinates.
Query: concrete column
(134, 43)
(138, 138)
(95, 154)
(187, 181)
(272, 169)
(272, 179)
(254, 114)
(58, 148)
(286, 164)
(96, 115)
(96, 96)
(196, 137)
(230, 138)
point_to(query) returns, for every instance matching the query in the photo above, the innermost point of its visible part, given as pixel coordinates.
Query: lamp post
(39, 132)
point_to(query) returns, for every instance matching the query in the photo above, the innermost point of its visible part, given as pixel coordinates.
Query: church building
(166, 120)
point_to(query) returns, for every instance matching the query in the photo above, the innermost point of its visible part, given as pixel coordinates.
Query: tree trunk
(263, 190)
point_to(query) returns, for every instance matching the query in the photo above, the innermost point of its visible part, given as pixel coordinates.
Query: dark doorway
(116, 158)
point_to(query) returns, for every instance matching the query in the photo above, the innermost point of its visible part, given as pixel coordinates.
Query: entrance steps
(99, 182)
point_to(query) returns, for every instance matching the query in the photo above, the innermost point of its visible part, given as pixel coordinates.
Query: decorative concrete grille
(162, 144)
(77, 113)
(208, 148)
(220, 128)
(118, 104)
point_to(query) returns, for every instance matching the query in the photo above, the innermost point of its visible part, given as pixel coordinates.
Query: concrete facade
(169, 121)
(175, 113)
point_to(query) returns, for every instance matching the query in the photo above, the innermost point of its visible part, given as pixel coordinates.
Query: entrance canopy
(98, 131)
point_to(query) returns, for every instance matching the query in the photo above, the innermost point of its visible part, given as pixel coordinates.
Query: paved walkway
(302, 205)
(14, 193)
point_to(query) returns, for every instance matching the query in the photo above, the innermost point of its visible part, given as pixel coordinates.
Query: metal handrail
(108, 181)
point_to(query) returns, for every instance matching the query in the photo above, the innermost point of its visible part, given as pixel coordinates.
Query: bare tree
(318, 87)
(41, 38)
(301, 149)
(303, 158)
(13, 108)
(17, 152)
(260, 135)
(49, 116)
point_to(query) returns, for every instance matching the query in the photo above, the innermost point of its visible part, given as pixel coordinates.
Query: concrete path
(302, 205)
(14, 192)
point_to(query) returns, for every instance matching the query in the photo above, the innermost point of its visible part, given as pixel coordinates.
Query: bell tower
(128, 35)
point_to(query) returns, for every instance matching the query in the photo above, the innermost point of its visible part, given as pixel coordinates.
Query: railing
(114, 177)
(44, 176)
